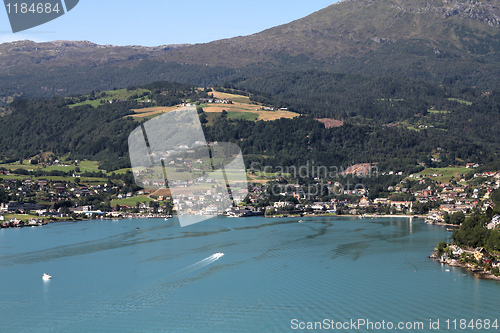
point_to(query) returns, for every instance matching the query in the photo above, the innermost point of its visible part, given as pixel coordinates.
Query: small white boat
(46, 276)
(218, 255)
(300, 221)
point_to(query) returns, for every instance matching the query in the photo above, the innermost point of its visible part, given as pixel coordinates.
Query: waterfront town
(36, 194)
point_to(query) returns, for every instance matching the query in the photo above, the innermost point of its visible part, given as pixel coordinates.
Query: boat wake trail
(198, 265)
(151, 296)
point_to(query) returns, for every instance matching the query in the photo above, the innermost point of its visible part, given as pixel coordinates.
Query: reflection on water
(46, 285)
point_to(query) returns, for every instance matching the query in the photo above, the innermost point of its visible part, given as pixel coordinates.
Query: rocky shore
(478, 271)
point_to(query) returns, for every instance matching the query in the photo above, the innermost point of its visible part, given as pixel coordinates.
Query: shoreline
(479, 273)
(413, 216)
(137, 216)
(69, 219)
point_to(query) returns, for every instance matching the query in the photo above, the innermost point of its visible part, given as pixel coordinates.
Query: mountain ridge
(29, 52)
(444, 41)
(354, 24)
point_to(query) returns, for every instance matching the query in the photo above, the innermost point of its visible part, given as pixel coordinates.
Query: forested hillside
(397, 124)
(83, 126)
(295, 141)
(469, 114)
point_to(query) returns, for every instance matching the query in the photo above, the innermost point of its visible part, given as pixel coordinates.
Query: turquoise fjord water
(109, 276)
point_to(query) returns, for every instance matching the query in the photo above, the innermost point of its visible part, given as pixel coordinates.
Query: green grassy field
(89, 166)
(64, 168)
(446, 173)
(461, 101)
(14, 166)
(26, 217)
(84, 165)
(118, 93)
(94, 103)
(112, 95)
(120, 171)
(22, 217)
(266, 175)
(130, 201)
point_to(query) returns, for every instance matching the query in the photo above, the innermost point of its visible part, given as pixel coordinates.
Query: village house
(480, 253)
(282, 204)
(488, 194)
(495, 221)
(400, 204)
(159, 182)
(435, 216)
(381, 201)
(456, 250)
(427, 193)
(42, 182)
(364, 202)
(211, 210)
(28, 182)
(447, 207)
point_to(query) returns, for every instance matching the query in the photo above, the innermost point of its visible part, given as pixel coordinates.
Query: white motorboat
(46, 276)
(218, 255)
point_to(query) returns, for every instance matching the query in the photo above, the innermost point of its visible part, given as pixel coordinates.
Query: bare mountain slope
(448, 41)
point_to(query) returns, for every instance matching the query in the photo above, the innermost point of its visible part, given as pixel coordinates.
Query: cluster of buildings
(436, 198)
(15, 223)
(462, 198)
(204, 196)
(215, 100)
(44, 196)
(475, 259)
(49, 190)
(212, 201)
